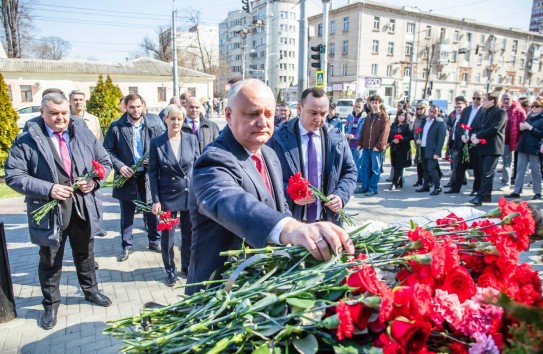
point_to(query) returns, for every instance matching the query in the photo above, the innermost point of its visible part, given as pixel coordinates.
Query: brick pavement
(141, 278)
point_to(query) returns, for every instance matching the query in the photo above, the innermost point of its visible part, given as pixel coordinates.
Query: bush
(8, 122)
(104, 102)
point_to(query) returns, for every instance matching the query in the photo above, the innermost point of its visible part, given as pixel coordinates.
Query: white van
(344, 107)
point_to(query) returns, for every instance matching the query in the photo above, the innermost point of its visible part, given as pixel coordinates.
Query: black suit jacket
(435, 138)
(491, 127)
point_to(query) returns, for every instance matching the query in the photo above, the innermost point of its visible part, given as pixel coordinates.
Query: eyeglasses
(505, 99)
(357, 106)
(536, 106)
(420, 108)
(476, 98)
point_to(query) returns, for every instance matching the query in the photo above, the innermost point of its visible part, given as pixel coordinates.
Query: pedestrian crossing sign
(319, 79)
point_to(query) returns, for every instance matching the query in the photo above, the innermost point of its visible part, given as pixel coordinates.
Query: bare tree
(16, 23)
(201, 51)
(54, 48)
(160, 49)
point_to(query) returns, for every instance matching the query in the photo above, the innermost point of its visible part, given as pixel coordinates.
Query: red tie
(64, 154)
(257, 158)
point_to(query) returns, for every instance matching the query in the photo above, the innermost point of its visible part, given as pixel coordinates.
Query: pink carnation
(484, 344)
(477, 318)
(446, 307)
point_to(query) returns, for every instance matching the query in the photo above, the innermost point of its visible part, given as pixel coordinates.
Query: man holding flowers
(237, 195)
(58, 166)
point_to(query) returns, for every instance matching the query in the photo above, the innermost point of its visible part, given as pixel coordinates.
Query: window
(408, 48)
(389, 70)
(454, 56)
(478, 77)
(133, 89)
(345, 23)
(161, 94)
(519, 80)
(428, 31)
(392, 26)
(451, 95)
(319, 30)
(344, 69)
(283, 40)
(26, 93)
(465, 77)
(438, 94)
(468, 40)
(522, 63)
(442, 34)
(345, 48)
(514, 46)
(9, 93)
(406, 71)
(480, 59)
(411, 27)
(375, 47)
(332, 27)
(332, 48)
(390, 50)
(513, 58)
(424, 73)
(374, 69)
(376, 23)
(456, 36)
(482, 39)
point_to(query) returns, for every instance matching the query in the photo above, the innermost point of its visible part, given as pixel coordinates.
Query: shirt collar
(142, 124)
(304, 131)
(51, 131)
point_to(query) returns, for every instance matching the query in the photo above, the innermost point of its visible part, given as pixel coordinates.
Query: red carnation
(298, 187)
(345, 328)
(482, 141)
(398, 137)
(99, 170)
(410, 335)
(418, 130)
(459, 282)
(425, 237)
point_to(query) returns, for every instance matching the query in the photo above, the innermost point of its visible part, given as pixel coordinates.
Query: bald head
(193, 108)
(249, 84)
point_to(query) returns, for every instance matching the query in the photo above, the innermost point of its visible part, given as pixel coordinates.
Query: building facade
(152, 79)
(375, 48)
(263, 43)
(536, 19)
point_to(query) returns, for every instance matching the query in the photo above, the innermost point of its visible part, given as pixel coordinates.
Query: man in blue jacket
(321, 153)
(42, 164)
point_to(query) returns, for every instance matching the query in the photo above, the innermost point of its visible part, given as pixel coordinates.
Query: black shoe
(102, 233)
(464, 182)
(423, 189)
(171, 280)
(184, 273)
(370, 194)
(430, 185)
(124, 256)
(392, 188)
(96, 265)
(476, 201)
(48, 319)
(473, 194)
(99, 299)
(512, 195)
(448, 185)
(436, 191)
(155, 248)
(536, 196)
(450, 191)
(419, 183)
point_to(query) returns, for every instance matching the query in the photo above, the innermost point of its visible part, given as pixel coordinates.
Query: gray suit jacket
(435, 138)
(338, 173)
(230, 204)
(169, 177)
(30, 170)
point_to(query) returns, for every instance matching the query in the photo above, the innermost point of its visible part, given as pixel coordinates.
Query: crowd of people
(228, 188)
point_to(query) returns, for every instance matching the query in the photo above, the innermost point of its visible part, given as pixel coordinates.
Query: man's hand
(474, 139)
(464, 139)
(359, 148)
(126, 171)
(86, 187)
(335, 203)
(418, 141)
(156, 208)
(61, 192)
(317, 238)
(436, 157)
(305, 201)
(376, 149)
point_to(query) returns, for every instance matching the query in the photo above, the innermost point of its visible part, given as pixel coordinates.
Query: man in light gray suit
(237, 195)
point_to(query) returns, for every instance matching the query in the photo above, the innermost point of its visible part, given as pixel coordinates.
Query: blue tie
(313, 176)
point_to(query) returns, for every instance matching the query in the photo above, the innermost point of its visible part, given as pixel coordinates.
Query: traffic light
(318, 49)
(246, 7)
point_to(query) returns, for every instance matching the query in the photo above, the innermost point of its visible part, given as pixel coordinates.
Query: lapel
(49, 147)
(126, 131)
(326, 160)
(276, 180)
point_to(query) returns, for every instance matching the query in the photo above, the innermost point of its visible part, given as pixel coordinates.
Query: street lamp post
(324, 53)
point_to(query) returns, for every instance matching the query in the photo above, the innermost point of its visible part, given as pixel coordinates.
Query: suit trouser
(535, 168)
(430, 169)
(507, 160)
(487, 168)
(50, 265)
(166, 243)
(128, 209)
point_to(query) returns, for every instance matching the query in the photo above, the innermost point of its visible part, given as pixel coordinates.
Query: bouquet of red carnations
(97, 171)
(165, 217)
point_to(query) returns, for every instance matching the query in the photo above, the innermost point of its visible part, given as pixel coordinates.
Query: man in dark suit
(334, 167)
(431, 142)
(237, 193)
(206, 131)
(127, 140)
(491, 127)
(42, 164)
(469, 117)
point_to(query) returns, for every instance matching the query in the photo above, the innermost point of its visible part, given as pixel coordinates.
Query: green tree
(8, 122)
(104, 102)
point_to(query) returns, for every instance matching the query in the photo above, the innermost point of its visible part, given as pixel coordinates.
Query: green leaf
(264, 302)
(306, 345)
(345, 350)
(301, 303)
(243, 306)
(314, 315)
(263, 349)
(333, 294)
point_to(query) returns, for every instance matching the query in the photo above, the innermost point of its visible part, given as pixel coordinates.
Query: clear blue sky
(110, 30)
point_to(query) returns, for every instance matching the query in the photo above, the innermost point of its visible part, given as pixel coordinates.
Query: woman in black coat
(400, 149)
(171, 157)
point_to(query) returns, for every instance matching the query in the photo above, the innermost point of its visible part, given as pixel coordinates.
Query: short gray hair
(56, 98)
(234, 90)
(173, 109)
(76, 92)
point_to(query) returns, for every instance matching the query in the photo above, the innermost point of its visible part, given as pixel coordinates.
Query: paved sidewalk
(141, 278)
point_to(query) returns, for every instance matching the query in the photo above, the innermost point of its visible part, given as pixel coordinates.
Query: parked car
(293, 108)
(344, 107)
(391, 114)
(25, 114)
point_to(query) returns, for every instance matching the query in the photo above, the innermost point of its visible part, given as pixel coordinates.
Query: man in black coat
(126, 141)
(491, 128)
(206, 131)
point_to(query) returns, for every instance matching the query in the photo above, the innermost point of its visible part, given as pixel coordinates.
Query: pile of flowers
(422, 290)
(165, 221)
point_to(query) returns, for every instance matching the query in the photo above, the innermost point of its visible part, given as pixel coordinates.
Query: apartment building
(536, 19)
(373, 47)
